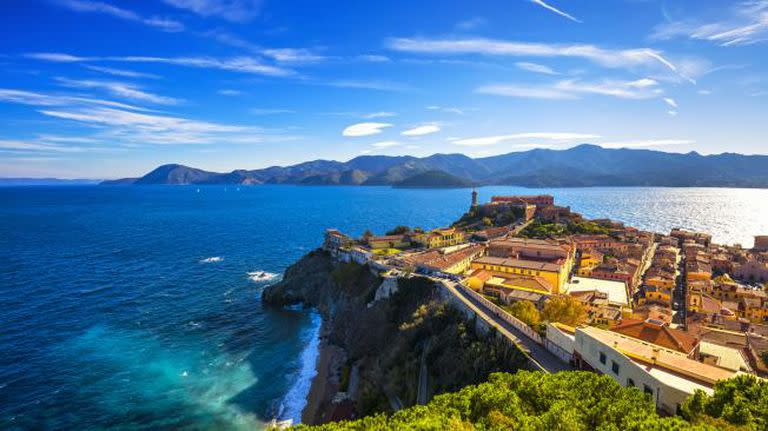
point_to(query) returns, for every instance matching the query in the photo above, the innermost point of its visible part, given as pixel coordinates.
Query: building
(660, 334)
(761, 243)
(538, 200)
(616, 292)
(532, 249)
(669, 376)
(439, 238)
(554, 275)
(450, 262)
(335, 241)
(388, 241)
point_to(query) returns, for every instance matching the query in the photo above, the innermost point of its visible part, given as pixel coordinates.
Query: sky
(108, 89)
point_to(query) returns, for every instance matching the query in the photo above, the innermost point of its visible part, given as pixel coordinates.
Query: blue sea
(139, 307)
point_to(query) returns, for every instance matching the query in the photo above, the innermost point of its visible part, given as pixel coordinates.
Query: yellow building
(388, 241)
(589, 260)
(440, 238)
(658, 295)
(555, 274)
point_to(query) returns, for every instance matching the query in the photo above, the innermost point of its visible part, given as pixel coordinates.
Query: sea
(138, 307)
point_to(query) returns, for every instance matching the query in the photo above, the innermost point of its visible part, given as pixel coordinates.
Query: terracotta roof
(443, 261)
(525, 282)
(657, 332)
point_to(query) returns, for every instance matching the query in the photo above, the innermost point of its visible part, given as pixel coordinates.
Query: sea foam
(296, 398)
(261, 276)
(213, 259)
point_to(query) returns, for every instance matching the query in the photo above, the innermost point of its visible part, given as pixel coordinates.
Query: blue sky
(106, 89)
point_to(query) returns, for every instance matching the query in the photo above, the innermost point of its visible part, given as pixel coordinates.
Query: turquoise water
(133, 307)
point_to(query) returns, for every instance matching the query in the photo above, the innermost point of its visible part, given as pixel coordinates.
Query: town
(666, 313)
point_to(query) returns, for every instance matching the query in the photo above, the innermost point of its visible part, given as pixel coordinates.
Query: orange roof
(657, 332)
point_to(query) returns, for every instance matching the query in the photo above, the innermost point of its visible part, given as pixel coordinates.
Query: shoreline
(325, 383)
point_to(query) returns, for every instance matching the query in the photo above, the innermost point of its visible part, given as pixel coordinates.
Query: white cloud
(364, 129)
(671, 102)
(745, 23)
(572, 89)
(120, 72)
(120, 89)
(56, 57)
(229, 92)
(382, 114)
(386, 144)
(535, 68)
(705, 92)
(672, 113)
(611, 58)
(117, 12)
(497, 139)
(422, 130)
(555, 10)
(230, 10)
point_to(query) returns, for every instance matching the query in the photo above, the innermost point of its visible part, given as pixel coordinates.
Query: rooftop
(659, 333)
(616, 290)
(519, 263)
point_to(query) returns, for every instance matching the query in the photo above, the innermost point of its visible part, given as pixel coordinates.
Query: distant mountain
(45, 182)
(582, 166)
(434, 179)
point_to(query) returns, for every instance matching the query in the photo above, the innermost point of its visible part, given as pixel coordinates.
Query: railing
(503, 314)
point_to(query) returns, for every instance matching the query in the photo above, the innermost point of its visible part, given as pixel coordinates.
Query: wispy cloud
(425, 129)
(745, 23)
(369, 85)
(32, 98)
(555, 10)
(374, 58)
(645, 88)
(381, 114)
(671, 102)
(229, 92)
(449, 109)
(121, 72)
(117, 12)
(270, 111)
(535, 68)
(364, 129)
(230, 10)
(120, 89)
(27, 146)
(234, 64)
(497, 139)
(471, 23)
(611, 58)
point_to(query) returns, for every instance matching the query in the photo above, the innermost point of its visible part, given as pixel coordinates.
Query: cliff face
(389, 344)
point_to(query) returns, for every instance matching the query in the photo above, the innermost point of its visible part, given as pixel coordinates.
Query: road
(541, 358)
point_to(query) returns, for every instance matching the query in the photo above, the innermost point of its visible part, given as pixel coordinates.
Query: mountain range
(581, 166)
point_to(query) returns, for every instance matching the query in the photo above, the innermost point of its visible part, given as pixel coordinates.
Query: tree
(526, 311)
(564, 309)
(742, 400)
(399, 230)
(367, 233)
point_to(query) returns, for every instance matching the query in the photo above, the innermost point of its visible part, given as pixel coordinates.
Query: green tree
(564, 309)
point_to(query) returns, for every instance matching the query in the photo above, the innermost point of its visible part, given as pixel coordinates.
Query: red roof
(657, 332)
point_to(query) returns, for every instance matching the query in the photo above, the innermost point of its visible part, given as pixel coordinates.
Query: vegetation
(529, 401)
(491, 218)
(526, 311)
(539, 229)
(742, 401)
(564, 309)
(434, 179)
(399, 230)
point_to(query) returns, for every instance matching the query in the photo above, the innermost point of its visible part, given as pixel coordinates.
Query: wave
(296, 398)
(261, 276)
(213, 259)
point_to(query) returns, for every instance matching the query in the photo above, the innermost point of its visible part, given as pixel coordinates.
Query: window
(647, 389)
(630, 383)
(615, 367)
(602, 358)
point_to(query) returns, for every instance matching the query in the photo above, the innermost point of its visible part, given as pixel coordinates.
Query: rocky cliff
(385, 341)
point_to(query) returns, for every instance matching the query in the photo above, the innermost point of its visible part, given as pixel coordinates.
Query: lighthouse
(474, 198)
